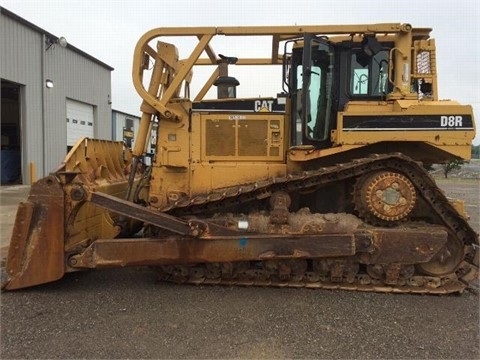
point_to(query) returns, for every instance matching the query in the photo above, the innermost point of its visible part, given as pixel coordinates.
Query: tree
(428, 167)
(451, 165)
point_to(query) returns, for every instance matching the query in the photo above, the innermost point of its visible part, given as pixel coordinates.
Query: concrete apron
(10, 197)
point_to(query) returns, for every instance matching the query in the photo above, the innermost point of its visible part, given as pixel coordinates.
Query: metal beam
(131, 210)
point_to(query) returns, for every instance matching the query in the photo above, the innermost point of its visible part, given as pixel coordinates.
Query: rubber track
(423, 182)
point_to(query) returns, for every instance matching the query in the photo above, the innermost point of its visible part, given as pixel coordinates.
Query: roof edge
(125, 113)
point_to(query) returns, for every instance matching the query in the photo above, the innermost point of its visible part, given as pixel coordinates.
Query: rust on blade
(36, 252)
(19, 238)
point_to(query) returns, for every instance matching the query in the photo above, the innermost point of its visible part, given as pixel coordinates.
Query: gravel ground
(124, 313)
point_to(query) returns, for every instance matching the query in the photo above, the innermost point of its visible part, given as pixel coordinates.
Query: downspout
(44, 106)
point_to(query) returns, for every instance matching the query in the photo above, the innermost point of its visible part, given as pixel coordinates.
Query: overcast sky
(109, 30)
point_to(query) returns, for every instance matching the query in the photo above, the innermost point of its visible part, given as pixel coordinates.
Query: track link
(309, 280)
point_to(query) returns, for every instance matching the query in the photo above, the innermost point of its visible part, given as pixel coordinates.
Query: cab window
(369, 76)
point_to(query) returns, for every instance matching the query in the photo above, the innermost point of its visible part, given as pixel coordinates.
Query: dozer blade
(56, 219)
(36, 252)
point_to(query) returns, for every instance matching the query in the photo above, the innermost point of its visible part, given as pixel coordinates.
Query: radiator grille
(220, 140)
(252, 138)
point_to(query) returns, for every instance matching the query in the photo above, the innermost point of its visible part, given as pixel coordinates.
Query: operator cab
(332, 74)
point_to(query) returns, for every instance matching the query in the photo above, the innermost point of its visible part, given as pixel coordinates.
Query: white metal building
(124, 127)
(52, 93)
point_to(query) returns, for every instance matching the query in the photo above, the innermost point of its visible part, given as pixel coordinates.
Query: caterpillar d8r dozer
(318, 186)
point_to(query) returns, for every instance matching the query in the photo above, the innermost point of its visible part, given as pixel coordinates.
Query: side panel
(446, 126)
(216, 150)
(234, 137)
(236, 149)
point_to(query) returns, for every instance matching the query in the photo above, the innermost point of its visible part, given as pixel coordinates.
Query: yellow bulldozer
(319, 185)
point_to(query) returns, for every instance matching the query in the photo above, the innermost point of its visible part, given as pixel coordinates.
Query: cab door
(312, 87)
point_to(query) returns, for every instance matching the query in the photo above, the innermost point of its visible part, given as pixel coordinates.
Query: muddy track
(338, 274)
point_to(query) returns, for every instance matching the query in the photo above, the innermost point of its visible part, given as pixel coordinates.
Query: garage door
(79, 121)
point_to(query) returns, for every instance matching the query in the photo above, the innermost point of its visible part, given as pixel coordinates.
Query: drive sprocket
(384, 197)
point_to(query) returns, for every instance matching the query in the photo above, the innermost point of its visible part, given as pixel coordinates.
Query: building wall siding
(21, 50)
(79, 79)
(25, 60)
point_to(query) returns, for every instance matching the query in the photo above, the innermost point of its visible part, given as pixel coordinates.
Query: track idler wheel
(446, 260)
(384, 197)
